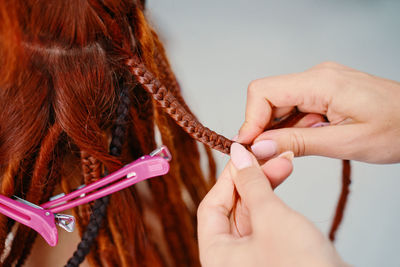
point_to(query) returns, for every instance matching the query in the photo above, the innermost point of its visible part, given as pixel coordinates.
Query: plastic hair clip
(43, 219)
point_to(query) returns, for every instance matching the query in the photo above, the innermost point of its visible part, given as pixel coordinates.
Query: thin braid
(171, 213)
(176, 111)
(161, 189)
(166, 73)
(100, 205)
(121, 46)
(108, 259)
(176, 213)
(212, 167)
(181, 115)
(170, 81)
(96, 219)
(341, 205)
(91, 170)
(141, 141)
(197, 188)
(181, 143)
(195, 129)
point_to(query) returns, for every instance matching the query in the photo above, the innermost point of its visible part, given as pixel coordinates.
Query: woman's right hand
(363, 111)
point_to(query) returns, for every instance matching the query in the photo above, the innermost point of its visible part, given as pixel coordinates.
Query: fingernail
(320, 124)
(240, 157)
(264, 149)
(235, 138)
(289, 155)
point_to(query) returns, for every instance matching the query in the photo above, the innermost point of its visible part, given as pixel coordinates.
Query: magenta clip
(43, 219)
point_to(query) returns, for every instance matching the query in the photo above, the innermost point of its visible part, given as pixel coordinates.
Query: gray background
(217, 47)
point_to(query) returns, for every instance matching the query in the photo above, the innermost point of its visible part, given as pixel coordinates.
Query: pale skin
(266, 231)
(360, 108)
(363, 113)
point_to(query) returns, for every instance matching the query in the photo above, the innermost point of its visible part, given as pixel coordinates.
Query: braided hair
(69, 71)
(100, 205)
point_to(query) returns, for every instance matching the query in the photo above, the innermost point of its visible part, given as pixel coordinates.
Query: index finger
(300, 89)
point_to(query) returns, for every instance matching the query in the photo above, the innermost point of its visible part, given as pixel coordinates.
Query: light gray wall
(218, 47)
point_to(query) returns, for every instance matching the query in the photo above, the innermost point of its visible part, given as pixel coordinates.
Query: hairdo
(84, 86)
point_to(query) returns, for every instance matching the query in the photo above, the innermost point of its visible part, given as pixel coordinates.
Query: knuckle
(329, 77)
(249, 124)
(253, 86)
(327, 65)
(297, 143)
(327, 73)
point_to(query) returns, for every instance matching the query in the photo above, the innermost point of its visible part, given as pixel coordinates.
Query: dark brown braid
(100, 205)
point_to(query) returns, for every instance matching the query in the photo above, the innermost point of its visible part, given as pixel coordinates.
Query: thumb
(335, 141)
(251, 183)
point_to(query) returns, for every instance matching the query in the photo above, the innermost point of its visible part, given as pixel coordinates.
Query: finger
(249, 179)
(310, 91)
(213, 212)
(266, 149)
(336, 141)
(258, 115)
(278, 169)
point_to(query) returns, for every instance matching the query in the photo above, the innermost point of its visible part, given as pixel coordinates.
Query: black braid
(91, 232)
(100, 205)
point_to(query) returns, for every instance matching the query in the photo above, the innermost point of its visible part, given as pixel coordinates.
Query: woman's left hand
(266, 232)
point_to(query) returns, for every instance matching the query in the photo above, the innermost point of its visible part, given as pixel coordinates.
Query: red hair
(77, 78)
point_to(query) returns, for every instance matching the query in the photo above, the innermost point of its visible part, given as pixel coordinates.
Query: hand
(266, 232)
(363, 112)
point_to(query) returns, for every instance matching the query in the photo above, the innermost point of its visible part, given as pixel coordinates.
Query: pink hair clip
(43, 219)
